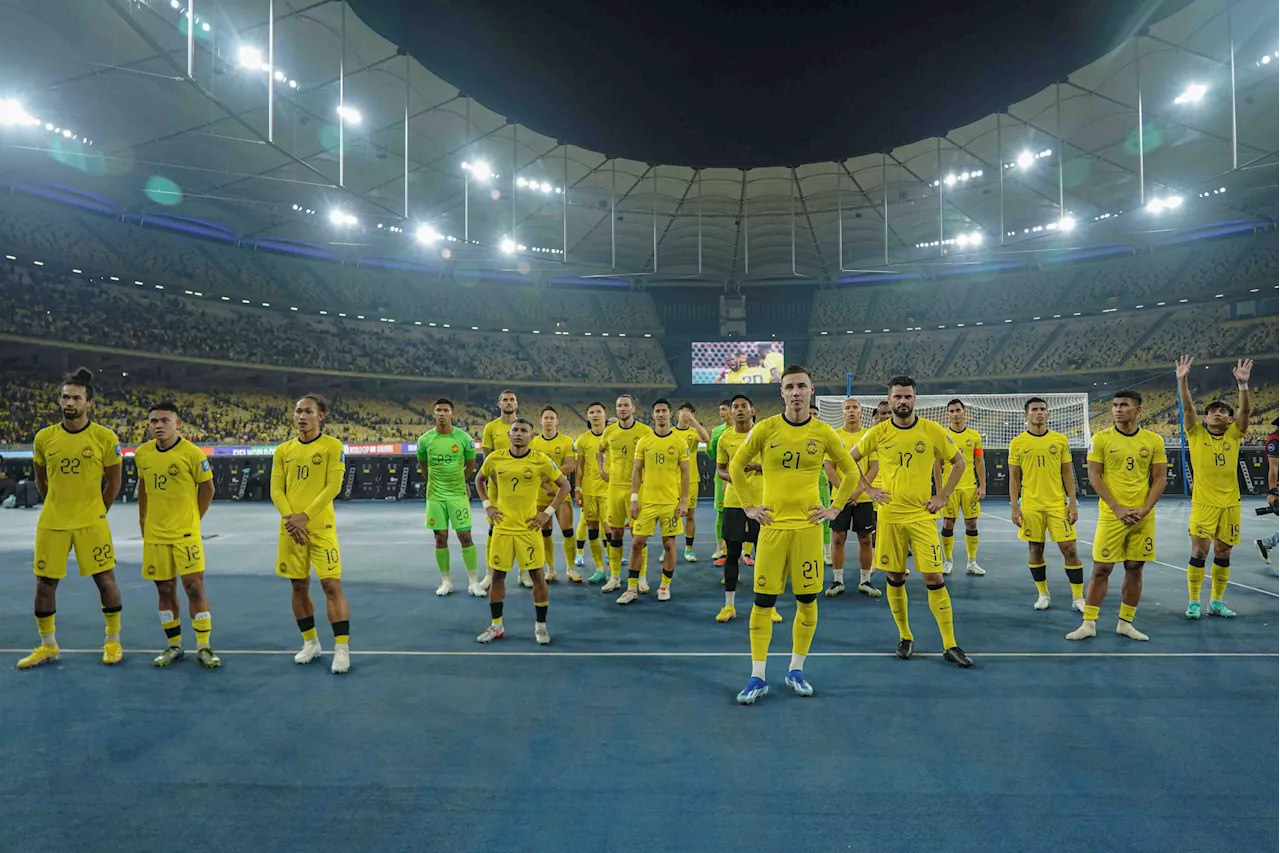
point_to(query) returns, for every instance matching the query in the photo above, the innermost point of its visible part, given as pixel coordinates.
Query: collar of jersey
(665, 434)
(170, 447)
(75, 431)
(913, 423)
(317, 438)
(553, 438)
(619, 425)
(786, 421)
(957, 431)
(1033, 435)
(527, 451)
(1128, 434)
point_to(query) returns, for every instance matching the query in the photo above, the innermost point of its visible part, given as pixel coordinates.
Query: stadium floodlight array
(951, 179)
(1027, 159)
(971, 239)
(1159, 205)
(997, 417)
(541, 186)
(341, 217)
(350, 114)
(1267, 58)
(479, 170)
(1193, 94)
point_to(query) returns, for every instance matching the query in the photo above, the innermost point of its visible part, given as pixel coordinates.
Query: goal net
(997, 417)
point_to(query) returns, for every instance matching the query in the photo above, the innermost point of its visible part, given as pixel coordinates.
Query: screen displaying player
(737, 362)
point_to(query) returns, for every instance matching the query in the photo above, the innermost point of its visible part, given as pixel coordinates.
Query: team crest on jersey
(1226, 446)
(673, 449)
(87, 453)
(1144, 453)
(811, 446)
(1053, 449)
(173, 470)
(920, 448)
(968, 442)
(527, 473)
(316, 459)
(453, 448)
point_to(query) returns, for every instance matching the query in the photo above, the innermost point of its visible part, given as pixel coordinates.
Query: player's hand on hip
(878, 495)
(762, 515)
(635, 510)
(819, 513)
(540, 520)
(935, 503)
(494, 514)
(1015, 515)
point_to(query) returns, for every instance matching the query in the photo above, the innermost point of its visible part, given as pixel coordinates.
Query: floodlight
(293, 84)
(250, 57)
(427, 234)
(350, 114)
(546, 188)
(1025, 159)
(205, 26)
(521, 182)
(949, 180)
(279, 75)
(11, 112)
(1193, 94)
(174, 3)
(507, 245)
(1067, 223)
(341, 217)
(480, 171)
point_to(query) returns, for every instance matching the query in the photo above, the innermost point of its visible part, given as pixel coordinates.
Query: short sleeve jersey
(727, 446)
(446, 457)
(791, 456)
(749, 376)
(690, 437)
(170, 477)
(662, 455)
(559, 447)
(496, 436)
(620, 449)
(1126, 464)
(517, 484)
(906, 456)
(588, 474)
(74, 463)
(849, 440)
(969, 442)
(312, 470)
(715, 437)
(772, 362)
(1039, 459)
(1215, 459)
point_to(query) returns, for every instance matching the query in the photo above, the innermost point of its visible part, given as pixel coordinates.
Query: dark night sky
(717, 83)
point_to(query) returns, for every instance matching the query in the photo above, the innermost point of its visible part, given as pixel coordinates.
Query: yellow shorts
(789, 553)
(94, 550)
(1116, 542)
(593, 508)
(1040, 525)
(167, 560)
(1215, 522)
(523, 548)
(618, 508)
(294, 561)
(963, 502)
(894, 539)
(693, 483)
(653, 515)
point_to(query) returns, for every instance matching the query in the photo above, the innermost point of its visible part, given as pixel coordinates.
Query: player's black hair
(630, 397)
(321, 401)
(902, 382)
(444, 401)
(688, 406)
(165, 406)
(524, 421)
(792, 370)
(661, 401)
(741, 397)
(82, 377)
(951, 403)
(1220, 404)
(595, 403)
(1026, 407)
(814, 407)
(1128, 394)
(726, 402)
(550, 408)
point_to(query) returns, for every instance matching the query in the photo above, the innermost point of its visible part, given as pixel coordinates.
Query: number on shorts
(1147, 544)
(102, 555)
(936, 555)
(530, 549)
(69, 465)
(192, 552)
(809, 568)
(1235, 530)
(331, 554)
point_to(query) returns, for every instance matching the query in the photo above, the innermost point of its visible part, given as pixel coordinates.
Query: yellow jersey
(170, 478)
(1039, 459)
(690, 437)
(587, 474)
(748, 376)
(1126, 465)
(496, 436)
(906, 456)
(661, 456)
(773, 361)
(74, 462)
(849, 440)
(969, 442)
(306, 476)
(619, 445)
(559, 447)
(1214, 462)
(727, 447)
(517, 485)
(791, 456)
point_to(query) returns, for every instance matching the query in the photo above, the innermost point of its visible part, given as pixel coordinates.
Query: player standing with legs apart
(615, 458)
(517, 475)
(693, 433)
(659, 499)
(967, 498)
(1214, 447)
(907, 447)
(494, 438)
(77, 467)
(1127, 468)
(858, 514)
(175, 488)
(790, 448)
(590, 492)
(1042, 498)
(560, 448)
(306, 475)
(726, 420)
(447, 460)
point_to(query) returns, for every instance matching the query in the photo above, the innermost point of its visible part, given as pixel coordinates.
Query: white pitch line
(488, 653)
(1182, 569)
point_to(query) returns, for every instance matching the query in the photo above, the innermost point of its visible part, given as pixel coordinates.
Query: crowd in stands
(1160, 408)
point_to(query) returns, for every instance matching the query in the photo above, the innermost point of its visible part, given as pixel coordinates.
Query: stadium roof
(122, 129)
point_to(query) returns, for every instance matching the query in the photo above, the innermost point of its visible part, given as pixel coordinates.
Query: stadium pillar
(271, 71)
(1137, 71)
(1231, 46)
(342, 96)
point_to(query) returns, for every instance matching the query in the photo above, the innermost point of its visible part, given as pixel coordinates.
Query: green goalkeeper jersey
(446, 458)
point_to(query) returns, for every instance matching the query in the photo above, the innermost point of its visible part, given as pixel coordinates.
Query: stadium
(227, 208)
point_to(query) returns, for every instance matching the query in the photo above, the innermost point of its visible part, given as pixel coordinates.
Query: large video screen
(737, 362)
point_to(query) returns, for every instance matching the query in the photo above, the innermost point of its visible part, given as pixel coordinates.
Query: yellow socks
(597, 552)
(971, 546)
(203, 625)
(1041, 581)
(948, 544)
(633, 581)
(761, 629)
(803, 627)
(1075, 576)
(940, 604)
(1127, 612)
(1195, 578)
(748, 548)
(307, 625)
(1221, 574)
(570, 548)
(615, 557)
(172, 626)
(44, 624)
(548, 550)
(897, 594)
(111, 615)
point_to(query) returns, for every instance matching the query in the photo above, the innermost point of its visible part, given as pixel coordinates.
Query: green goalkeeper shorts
(443, 513)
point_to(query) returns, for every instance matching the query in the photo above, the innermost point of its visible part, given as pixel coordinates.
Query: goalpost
(997, 417)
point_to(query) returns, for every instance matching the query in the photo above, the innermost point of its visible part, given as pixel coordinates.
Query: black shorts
(860, 518)
(737, 527)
